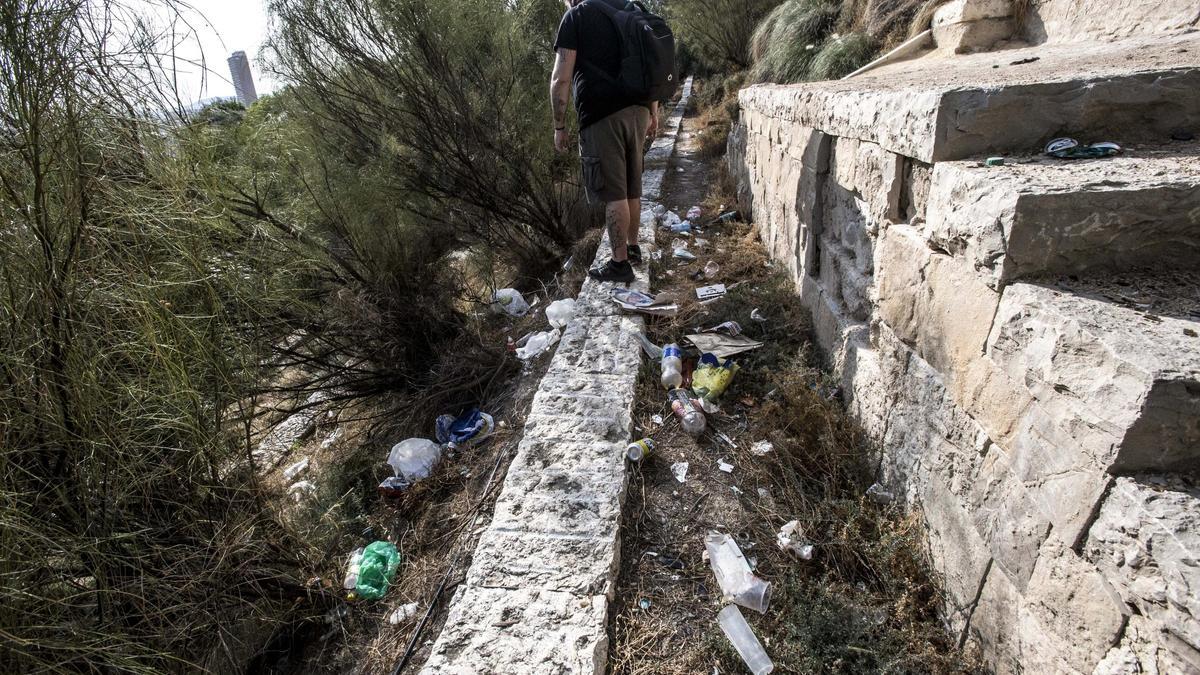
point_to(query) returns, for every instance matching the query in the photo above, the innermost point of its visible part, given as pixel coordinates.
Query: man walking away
(612, 126)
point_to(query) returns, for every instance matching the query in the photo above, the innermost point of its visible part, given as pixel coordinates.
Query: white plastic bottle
(672, 367)
(352, 568)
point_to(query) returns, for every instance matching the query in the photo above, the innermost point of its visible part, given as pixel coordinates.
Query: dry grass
(865, 602)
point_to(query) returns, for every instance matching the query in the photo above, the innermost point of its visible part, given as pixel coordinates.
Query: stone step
(1137, 90)
(1044, 217)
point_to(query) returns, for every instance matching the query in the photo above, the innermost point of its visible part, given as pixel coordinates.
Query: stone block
(1011, 637)
(1070, 598)
(1040, 216)
(959, 556)
(972, 36)
(1124, 386)
(598, 345)
(1150, 649)
(869, 171)
(584, 566)
(521, 632)
(1146, 541)
(1007, 516)
(934, 302)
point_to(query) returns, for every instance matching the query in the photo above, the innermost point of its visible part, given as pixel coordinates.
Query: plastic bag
(465, 430)
(560, 312)
(712, 377)
(414, 459)
(509, 301)
(537, 343)
(375, 572)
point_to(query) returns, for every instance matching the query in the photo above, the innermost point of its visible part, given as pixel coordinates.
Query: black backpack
(647, 52)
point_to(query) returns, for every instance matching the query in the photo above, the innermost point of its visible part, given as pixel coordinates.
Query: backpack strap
(611, 12)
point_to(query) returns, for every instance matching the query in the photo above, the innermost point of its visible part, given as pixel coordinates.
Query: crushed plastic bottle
(672, 367)
(737, 581)
(734, 625)
(537, 343)
(689, 415)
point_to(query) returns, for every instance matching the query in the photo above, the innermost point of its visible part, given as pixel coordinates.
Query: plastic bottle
(687, 412)
(747, 645)
(672, 366)
(352, 568)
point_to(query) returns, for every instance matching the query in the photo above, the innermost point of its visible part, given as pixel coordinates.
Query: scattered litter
(728, 217)
(353, 564)
(1069, 148)
(790, 539)
(738, 583)
(734, 625)
(709, 407)
(536, 344)
(701, 243)
(636, 301)
(465, 430)
(414, 459)
(403, 613)
(711, 270)
(722, 346)
(721, 435)
(560, 312)
(644, 604)
(878, 494)
(332, 439)
(762, 448)
(736, 490)
(680, 470)
(764, 493)
(730, 328)
(1021, 62)
(303, 489)
(392, 486)
(510, 302)
(658, 420)
(684, 227)
(684, 254)
(712, 377)
(724, 466)
(568, 264)
(689, 415)
(757, 315)
(694, 213)
(652, 350)
(377, 567)
(295, 469)
(678, 242)
(639, 450)
(994, 161)
(710, 292)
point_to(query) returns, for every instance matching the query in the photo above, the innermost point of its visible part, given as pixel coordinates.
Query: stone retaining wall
(992, 334)
(535, 599)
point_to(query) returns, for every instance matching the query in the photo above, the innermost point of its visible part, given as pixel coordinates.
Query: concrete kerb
(535, 599)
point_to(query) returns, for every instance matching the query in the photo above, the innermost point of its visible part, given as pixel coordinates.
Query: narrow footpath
(536, 597)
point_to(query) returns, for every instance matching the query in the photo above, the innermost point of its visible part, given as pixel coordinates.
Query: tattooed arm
(560, 95)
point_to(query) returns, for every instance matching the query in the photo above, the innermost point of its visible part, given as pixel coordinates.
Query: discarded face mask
(465, 430)
(712, 377)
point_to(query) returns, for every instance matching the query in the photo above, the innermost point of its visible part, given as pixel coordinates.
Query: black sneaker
(635, 254)
(621, 272)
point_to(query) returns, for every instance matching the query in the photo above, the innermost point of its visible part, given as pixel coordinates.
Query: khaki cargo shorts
(612, 150)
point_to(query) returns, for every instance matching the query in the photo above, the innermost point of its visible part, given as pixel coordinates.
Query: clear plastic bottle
(352, 568)
(672, 366)
(689, 415)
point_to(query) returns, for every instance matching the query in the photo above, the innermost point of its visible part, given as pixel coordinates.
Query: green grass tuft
(787, 41)
(842, 55)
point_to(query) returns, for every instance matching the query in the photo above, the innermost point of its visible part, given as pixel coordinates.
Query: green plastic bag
(378, 568)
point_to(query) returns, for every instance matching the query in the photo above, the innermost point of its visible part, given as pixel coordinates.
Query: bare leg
(617, 220)
(635, 221)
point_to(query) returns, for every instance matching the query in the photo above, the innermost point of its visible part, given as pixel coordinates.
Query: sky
(220, 27)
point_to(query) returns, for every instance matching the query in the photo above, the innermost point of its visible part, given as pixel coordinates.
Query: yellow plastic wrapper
(712, 377)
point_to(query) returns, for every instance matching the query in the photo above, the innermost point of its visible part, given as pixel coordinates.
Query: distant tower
(243, 81)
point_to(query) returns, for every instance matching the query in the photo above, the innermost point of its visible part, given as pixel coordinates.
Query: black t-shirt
(597, 45)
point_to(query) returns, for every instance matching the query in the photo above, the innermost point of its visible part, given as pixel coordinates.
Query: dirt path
(862, 604)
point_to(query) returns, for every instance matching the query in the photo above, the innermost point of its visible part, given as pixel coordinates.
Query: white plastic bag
(414, 459)
(510, 302)
(560, 313)
(536, 344)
